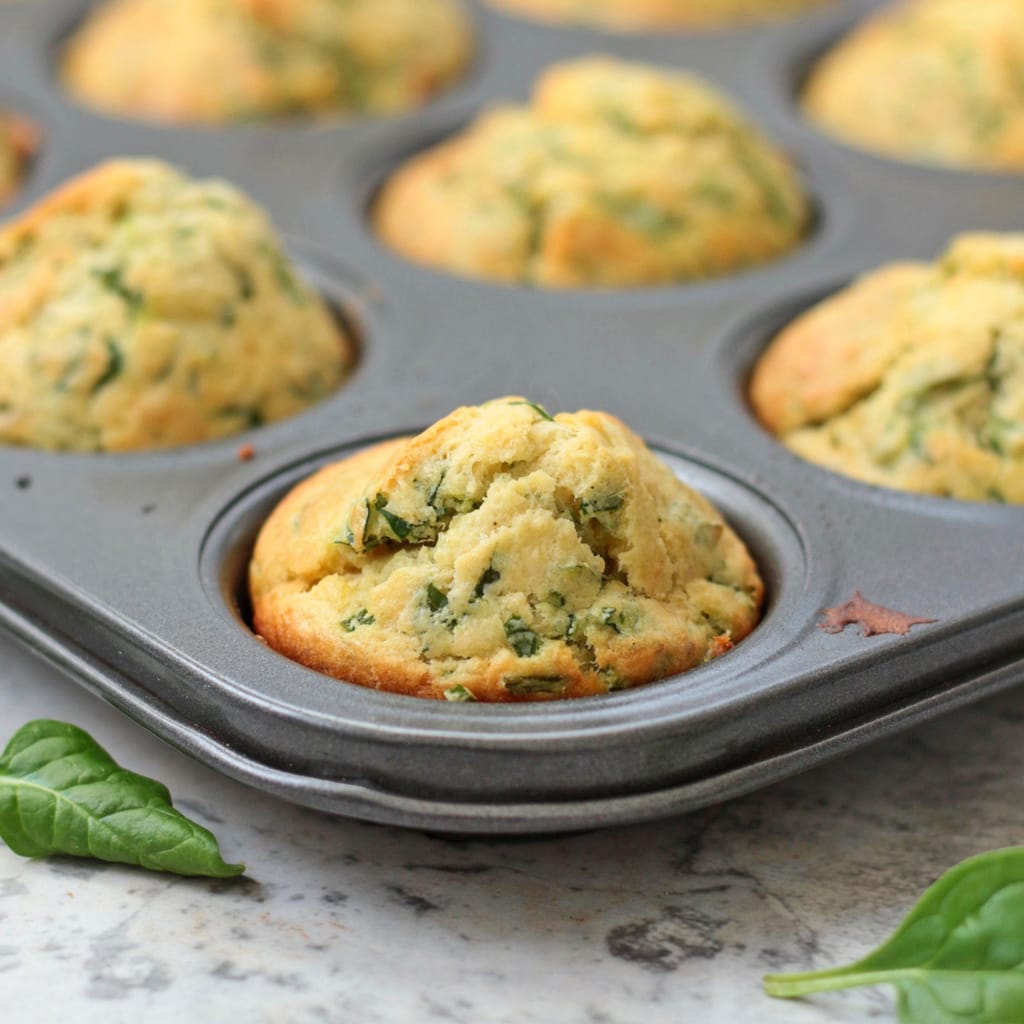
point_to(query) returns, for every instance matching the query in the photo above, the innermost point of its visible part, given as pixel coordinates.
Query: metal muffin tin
(127, 570)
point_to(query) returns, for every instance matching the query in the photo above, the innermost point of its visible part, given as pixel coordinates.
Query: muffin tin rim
(765, 641)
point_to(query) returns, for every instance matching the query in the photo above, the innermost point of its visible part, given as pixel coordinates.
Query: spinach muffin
(616, 175)
(502, 555)
(649, 15)
(911, 378)
(935, 81)
(217, 61)
(142, 309)
(18, 141)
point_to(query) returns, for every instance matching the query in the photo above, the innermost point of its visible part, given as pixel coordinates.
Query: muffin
(648, 15)
(18, 141)
(616, 175)
(215, 61)
(930, 80)
(913, 377)
(140, 308)
(502, 555)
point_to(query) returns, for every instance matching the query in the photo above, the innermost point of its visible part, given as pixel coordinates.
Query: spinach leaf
(491, 575)
(436, 599)
(604, 503)
(521, 638)
(399, 527)
(538, 409)
(61, 792)
(527, 685)
(361, 618)
(113, 280)
(459, 694)
(115, 365)
(958, 956)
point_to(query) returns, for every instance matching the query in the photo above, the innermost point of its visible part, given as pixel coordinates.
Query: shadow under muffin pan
(127, 571)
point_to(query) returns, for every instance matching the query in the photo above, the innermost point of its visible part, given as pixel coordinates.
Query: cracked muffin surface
(216, 61)
(935, 81)
(140, 308)
(642, 15)
(18, 142)
(913, 377)
(616, 175)
(502, 555)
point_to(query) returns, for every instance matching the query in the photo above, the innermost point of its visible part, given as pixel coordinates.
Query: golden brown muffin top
(216, 61)
(929, 80)
(140, 308)
(912, 377)
(503, 554)
(617, 174)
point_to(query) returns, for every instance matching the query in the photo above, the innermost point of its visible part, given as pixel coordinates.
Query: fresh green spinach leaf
(61, 792)
(958, 958)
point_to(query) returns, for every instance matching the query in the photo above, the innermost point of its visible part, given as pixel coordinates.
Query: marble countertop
(339, 921)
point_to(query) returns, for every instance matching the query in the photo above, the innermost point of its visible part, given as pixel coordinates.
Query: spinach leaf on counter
(61, 792)
(958, 956)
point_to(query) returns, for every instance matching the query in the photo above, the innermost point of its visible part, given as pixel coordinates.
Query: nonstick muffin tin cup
(128, 570)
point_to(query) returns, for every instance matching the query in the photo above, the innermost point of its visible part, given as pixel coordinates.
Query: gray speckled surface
(339, 921)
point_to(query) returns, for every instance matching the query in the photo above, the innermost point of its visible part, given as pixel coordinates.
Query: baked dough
(502, 555)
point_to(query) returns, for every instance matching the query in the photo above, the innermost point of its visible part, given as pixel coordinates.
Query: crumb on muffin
(218, 61)
(935, 81)
(616, 175)
(140, 308)
(502, 555)
(648, 15)
(911, 378)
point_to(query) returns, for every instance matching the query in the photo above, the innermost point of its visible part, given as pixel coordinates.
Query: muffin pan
(127, 571)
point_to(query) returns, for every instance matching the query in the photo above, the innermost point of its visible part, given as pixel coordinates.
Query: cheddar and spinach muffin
(217, 61)
(616, 175)
(934, 81)
(18, 140)
(140, 308)
(649, 15)
(913, 377)
(502, 555)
